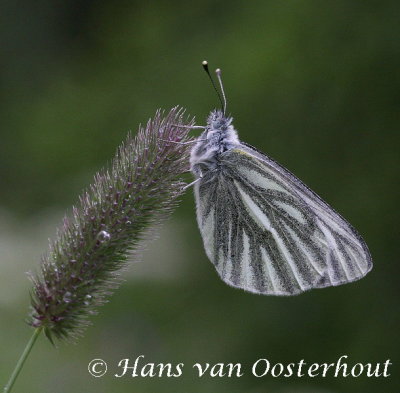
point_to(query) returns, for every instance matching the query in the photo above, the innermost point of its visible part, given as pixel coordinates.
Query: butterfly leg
(185, 143)
(191, 127)
(199, 173)
(191, 184)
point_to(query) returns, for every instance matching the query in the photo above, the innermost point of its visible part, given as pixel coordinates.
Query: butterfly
(264, 230)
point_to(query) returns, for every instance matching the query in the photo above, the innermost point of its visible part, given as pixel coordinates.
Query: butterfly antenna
(221, 85)
(222, 101)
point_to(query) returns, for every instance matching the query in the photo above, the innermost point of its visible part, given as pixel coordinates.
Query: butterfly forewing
(266, 232)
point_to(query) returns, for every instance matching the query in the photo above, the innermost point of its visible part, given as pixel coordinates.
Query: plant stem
(21, 360)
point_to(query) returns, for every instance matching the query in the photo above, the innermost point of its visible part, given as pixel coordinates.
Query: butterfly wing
(266, 232)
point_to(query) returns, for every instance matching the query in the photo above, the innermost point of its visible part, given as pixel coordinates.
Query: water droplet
(88, 300)
(67, 297)
(103, 236)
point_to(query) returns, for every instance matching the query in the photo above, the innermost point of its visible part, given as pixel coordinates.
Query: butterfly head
(217, 121)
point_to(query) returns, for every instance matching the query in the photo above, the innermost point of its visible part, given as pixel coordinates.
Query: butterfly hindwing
(266, 232)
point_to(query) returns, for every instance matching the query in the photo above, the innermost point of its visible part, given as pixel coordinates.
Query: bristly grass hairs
(264, 230)
(106, 228)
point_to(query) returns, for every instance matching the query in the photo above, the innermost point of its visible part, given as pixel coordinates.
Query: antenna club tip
(204, 62)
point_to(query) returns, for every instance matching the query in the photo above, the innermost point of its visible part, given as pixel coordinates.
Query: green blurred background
(313, 84)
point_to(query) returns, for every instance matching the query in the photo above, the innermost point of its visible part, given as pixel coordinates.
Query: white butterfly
(263, 229)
